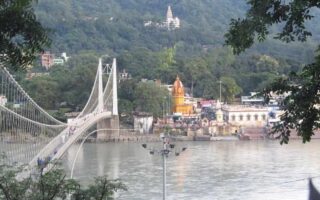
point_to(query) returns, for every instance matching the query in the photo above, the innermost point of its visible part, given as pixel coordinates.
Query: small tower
(179, 106)
(219, 113)
(169, 13)
(171, 22)
(177, 93)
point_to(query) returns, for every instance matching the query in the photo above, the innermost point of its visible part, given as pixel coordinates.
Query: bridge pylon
(113, 122)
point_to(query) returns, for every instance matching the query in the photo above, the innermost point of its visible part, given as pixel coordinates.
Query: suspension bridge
(28, 133)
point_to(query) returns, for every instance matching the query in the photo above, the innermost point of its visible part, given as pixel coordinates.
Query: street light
(165, 151)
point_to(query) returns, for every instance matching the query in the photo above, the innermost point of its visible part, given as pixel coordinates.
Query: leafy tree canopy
(21, 35)
(53, 186)
(262, 14)
(301, 104)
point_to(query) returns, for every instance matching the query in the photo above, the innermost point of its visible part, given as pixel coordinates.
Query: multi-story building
(47, 60)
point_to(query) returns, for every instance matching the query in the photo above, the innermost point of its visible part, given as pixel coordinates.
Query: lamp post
(164, 109)
(164, 152)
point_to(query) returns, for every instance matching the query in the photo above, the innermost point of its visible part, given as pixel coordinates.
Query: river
(221, 170)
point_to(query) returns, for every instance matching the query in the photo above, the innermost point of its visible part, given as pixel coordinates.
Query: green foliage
(44, 90)
(150, 97)
(301, 105)
(264, 13)
(100, 190)
(21, 35)
(53, 185)
(68, 84)
(126, 97)
(116, 27)
(301, 89)
(229, 89)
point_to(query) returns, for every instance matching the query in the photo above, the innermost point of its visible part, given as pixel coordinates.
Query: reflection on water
(234, 170)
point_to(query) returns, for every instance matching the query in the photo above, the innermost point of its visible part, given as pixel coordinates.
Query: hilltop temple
(172, 22)
(179, 105)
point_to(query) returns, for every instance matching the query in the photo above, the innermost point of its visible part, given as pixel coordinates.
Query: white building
(48, 59)
(64, 56)
(58, 61)
(247, 100)
(247, 116)
(3, 100)
(172, 22)
(142, 123)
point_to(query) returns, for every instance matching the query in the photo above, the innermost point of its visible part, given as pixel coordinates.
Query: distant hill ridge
(115, 26)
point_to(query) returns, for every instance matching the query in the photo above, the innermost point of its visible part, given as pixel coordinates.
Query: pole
(164, 151)
(164, 176)
(100, 87)
(164, 167)
(220, 90)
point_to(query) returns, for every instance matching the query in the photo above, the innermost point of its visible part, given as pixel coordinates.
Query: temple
(172, 22)
(179, 105)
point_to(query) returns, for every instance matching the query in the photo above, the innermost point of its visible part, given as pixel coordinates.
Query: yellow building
(179, 106)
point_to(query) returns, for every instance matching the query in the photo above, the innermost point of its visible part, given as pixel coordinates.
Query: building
(31, 75)
(178, 99)
(252, 99)
(171, 22)
(142, 122)
(124, 75)
(47, 60)
(250, 116)
(64, 56)
(58, 61)
(3, 100)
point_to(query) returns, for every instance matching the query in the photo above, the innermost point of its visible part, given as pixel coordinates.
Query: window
(264, 117)
(240, 117)
(256, 117)
(233, 118)
(248, 117)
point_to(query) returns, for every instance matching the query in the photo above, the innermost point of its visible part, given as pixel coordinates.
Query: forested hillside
(87, 29)
(117, 25)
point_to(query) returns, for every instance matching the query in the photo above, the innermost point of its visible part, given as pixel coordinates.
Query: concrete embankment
(249, 133)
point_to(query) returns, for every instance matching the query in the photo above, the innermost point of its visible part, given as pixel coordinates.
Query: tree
(229, 89)
(194, 69)
(44, 91)
(21, 35)
(262, 14)
(52, 185)
(126, 98)
(301, 105)
(166, 68)
(150, 97)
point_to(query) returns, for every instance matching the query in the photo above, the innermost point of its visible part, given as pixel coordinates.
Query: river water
(221, 170)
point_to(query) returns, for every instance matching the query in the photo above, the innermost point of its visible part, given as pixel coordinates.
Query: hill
(116, 26)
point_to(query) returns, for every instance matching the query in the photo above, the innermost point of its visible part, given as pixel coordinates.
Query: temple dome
(177, 88)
